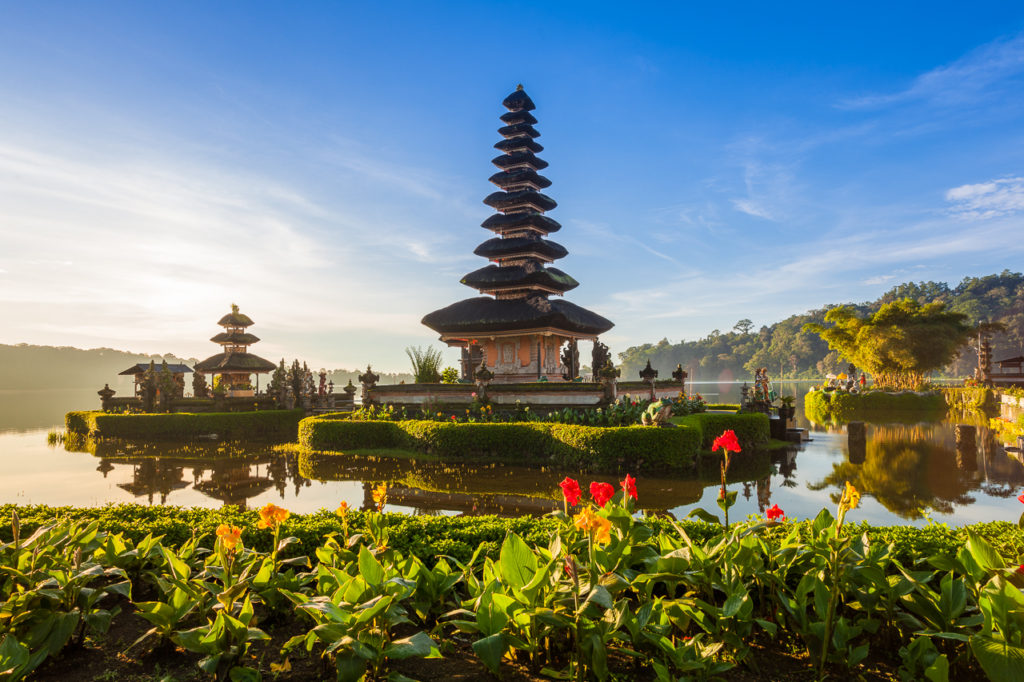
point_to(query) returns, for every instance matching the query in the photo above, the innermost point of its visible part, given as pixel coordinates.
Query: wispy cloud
(990, 199)
(964, 81)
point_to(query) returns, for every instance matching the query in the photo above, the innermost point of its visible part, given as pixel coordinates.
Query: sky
(323, 165)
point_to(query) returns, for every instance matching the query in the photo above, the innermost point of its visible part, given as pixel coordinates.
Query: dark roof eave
(484, 315)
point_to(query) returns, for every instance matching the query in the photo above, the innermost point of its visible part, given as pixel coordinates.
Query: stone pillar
(857, 442)
(608, 376)
(647, 375)
(368, 380)
(105, 394)
(680, 374)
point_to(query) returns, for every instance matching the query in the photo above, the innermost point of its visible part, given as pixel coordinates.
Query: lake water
(907, 473)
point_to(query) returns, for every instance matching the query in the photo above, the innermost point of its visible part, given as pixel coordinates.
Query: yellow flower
(851, 497)
(380, 496)
(342, 509)
(271, 515)
(229, 536)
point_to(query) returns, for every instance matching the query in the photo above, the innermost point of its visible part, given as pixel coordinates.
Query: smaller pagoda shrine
(138, 371)
(236, 364)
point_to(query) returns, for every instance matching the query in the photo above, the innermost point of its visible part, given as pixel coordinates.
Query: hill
(25, 367)
(788, 352)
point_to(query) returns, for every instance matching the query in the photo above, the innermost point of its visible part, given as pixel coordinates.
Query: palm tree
(426, 364)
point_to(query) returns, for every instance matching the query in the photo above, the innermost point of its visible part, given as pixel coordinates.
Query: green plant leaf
(518, 563)
(369, 568)
(1000, 661)
(490, 650)
(704, 515)
(983, 553)
(417, 646)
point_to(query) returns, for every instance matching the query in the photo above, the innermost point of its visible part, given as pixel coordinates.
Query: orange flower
(598, 527)
(229, 536)
(271, 515)
(342, 509)
(380, 496)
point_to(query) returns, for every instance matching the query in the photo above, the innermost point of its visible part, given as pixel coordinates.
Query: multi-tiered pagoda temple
(235, 364)
(517, 329)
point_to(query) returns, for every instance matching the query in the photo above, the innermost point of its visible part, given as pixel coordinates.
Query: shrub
(343, 434)
(823, 407)
(630, 448)
(586, 447)
(269, 425)
(751, 428)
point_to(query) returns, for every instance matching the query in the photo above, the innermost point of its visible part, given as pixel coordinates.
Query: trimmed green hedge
(431, 536)
(823, 407)
(751, 428)
(626, 448)
(586, 447)
(270, 425)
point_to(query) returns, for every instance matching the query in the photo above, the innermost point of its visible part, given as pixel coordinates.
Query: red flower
(629, 487)
(453, 417)
(774, 512)
(1021, 498)
(1020, 570)
(571, 491)
(728, 441)
(601, 492)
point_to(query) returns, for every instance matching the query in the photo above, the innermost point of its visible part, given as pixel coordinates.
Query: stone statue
(657, 413)
(571, 360)
(599, 359)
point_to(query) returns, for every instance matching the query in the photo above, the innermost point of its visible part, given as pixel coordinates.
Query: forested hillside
(29, 367)
(788, 352)
(26, 367)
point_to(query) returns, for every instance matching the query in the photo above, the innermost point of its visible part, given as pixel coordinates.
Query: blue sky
(323, 164)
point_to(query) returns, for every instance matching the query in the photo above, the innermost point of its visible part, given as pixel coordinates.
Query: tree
(296, 378)
(278, 381)
(199, 385)
(899, 343)
(166, 386)
(743, 326)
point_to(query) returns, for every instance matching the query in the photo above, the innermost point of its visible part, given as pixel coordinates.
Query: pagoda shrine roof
(518, 176)
(518, 159)
(519, 276)
(520, 199)
(239, 338)
(517, 129)
(510, 247)
(235, 362)
(485, 315)
(235, 319)
(141, 367)
(520, 221)
(512, 144)
(513, 117)
(518, 101)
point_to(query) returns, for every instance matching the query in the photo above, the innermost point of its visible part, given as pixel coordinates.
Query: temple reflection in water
(911, 470)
